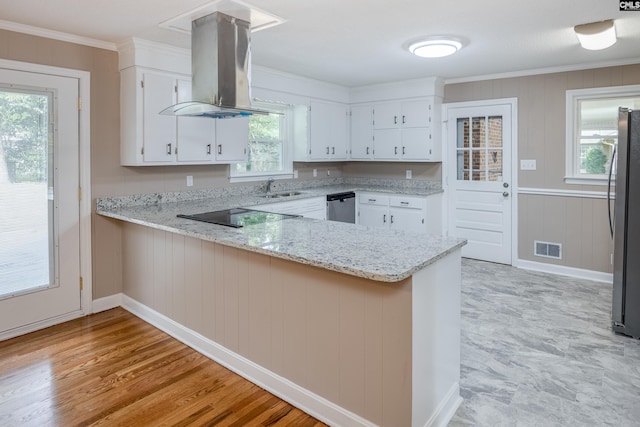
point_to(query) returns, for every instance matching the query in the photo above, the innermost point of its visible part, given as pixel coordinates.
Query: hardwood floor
(112, 368)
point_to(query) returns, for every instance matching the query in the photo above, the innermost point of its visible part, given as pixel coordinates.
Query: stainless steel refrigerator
(626, 229)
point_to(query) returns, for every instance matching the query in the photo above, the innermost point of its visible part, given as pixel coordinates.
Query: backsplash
(277, 186)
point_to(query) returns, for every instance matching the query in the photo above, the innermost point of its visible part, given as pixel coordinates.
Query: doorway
(480, 151)
(40, 203)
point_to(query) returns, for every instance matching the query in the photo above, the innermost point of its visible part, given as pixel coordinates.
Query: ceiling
(360, 42)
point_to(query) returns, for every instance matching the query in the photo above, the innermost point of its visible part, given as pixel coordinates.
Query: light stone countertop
(373, 253)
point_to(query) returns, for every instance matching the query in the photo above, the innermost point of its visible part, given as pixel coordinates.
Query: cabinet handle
(384, 218)
(395, 120)
(372, 200)
(403, 120)
(168, 149)
(219, 148)
(391, 219)
(403, 150)
(333, 150)
(208, 149)
(395, 150)
(404, 203)
(367, 150)
(327, 150)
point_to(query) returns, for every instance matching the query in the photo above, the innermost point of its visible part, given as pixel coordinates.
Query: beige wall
(393, 170)
(579, 224)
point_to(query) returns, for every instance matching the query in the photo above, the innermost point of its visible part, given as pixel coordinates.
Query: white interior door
(480, 180)
(39, 203)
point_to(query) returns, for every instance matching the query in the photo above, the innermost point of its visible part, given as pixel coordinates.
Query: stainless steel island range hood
(220, 67)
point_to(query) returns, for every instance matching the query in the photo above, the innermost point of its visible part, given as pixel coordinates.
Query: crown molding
(548, 70)
(56, 35)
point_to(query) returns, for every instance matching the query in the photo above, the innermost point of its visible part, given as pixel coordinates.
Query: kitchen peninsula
(355, 325)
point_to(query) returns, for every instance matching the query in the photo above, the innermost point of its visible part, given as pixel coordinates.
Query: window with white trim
(269, 153)
(592, 130)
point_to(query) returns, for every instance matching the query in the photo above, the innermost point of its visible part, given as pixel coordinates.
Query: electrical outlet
(295, 174)
(189, 181)
(408, 174)
(328, 172)
(527, 165)
(315, 173)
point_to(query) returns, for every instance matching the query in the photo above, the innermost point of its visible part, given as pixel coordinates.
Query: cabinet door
(340, 132)
(387, 144)
(362, 132)
(328, 130)
(416, 144)
(232, 139)
(416, 114)
(386, 116)
(196, 135)
(373, 215)
(159, 131)
(407, 219)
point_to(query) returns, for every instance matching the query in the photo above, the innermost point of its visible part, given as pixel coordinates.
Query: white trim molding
(107, 303)
(56, 35)
(32, 327)
(299, 397)
(578, 273)
(564, 193)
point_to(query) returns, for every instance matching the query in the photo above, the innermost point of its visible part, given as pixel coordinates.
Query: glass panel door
(26, 192)
(479, 149)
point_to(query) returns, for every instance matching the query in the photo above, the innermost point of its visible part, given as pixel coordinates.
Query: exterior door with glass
(39, 203)
(479, 177)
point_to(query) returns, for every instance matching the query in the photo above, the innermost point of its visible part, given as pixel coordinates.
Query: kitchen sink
(279, 195)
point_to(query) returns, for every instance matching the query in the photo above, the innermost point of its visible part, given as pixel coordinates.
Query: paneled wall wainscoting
(307, 401)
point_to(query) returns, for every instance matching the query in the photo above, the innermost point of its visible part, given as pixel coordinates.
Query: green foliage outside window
(265, 144)
(596, 161)
(24, 136)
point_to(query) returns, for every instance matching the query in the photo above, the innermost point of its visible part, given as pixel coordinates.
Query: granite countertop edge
(294, 248)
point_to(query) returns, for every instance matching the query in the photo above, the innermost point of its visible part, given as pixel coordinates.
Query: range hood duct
(220, 67)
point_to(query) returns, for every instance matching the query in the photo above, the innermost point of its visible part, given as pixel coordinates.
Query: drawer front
(373, 199)
(406, 202)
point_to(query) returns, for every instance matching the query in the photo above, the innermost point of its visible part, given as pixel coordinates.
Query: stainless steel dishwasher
(342, 207)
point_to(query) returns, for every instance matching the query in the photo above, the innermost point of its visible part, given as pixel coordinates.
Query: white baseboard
(316, 406)
(32, 327)
(106, 303)
(579, 273)
(447, 408)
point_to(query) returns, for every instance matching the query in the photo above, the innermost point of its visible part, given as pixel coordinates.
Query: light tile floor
(537, 350)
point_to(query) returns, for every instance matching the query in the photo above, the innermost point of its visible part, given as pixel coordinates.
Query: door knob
(505, 194)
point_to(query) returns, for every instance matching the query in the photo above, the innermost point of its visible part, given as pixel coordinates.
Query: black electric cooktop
(237, 217)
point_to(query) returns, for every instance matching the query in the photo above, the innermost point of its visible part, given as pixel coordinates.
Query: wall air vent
(547, 249)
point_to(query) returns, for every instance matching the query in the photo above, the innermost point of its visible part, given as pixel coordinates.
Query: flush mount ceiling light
(596, 35)
(435, 47)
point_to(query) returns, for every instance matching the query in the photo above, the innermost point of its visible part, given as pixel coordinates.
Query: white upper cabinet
(149, 138)
(197, 135)
(362, 132)
(159, 131)
(328, 133)
(404, 131)
(232, 139)
(396, 131)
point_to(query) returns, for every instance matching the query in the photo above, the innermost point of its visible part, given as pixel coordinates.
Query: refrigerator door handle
(611, 224)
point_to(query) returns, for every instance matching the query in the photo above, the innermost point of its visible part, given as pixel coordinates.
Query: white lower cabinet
(400, 212)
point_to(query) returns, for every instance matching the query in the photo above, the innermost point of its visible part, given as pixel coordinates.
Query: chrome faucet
(269, 182)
